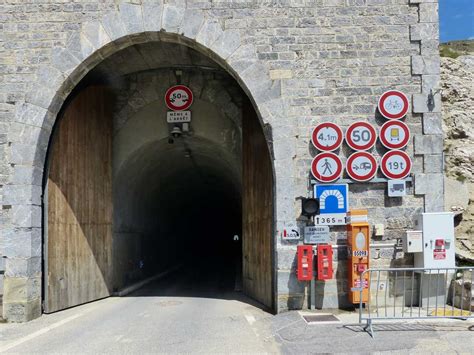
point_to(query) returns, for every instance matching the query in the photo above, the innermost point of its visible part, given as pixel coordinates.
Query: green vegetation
(456, 48)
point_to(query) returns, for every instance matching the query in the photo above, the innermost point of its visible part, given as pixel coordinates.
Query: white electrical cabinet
(438, 244)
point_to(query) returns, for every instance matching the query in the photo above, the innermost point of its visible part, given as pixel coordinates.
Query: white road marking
(251, 319)
(39, 332)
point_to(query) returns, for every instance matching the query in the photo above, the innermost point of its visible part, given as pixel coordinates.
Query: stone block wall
(301, 62)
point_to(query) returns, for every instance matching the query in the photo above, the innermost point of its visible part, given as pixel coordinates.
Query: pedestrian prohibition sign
(326, 167)
(361, 136)
(394, 134)
(361, 166)
(327, 136)
(179, 98)
(393, 105)
(395, 164)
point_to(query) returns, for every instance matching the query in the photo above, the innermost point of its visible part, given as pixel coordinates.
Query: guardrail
(416, 293)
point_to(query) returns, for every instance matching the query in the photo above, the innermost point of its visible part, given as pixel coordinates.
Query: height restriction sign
(361, 136)
(179, 98)
(326, 167)
(395, 164)
(361, 166)
(393, 105)
(394, 134)
(327, 136)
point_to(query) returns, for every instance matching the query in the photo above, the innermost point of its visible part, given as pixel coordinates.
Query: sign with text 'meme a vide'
(326, 167)
(393, 105)
(327, 136)
(361, 166)
(394, 134)
(179, 98)
(395, 164)
(361, 136)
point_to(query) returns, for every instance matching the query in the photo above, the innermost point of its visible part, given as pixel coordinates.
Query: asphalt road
(196, 312)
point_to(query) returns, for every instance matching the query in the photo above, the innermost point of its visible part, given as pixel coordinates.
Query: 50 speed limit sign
(361, 136)
(395, 164)
(179, 98)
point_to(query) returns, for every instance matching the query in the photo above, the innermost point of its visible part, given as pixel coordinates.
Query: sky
(456, 19)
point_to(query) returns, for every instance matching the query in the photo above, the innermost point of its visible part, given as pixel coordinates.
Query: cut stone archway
(35, 117)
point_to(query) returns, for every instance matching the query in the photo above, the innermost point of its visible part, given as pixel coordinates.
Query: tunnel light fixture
(176, 132)
(309, 207)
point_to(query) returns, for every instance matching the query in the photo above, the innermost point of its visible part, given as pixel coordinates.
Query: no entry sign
(361, 136)
(326, 167)
(393, 105)
(395, 164)
(361, 166)
(394, 134)
(327, 136)
(178, 98)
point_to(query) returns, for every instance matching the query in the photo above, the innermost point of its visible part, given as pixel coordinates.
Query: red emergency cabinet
(304, 256)
(324, 262)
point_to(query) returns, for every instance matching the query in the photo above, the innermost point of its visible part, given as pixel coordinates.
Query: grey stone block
(432, 123)
(193, 20)
(422, 103)
(433, 163)
(131, 15)
(421, 65)
(25, 267)
(172, 17)
(423, 31)
(431, 144)
(113, 25)
(21, 243)
(429, 12)
(26, 216)
(25, 175)
(79, 46)
(425, 183)
(286, 258)
(30, 114)
(95, 34)
(227, 43)
(22, 194)
(64, 60)
(242, 58)
(21, 311)
(288, 283)
(210, 31)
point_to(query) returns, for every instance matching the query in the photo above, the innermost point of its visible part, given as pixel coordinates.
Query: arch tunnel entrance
(126, 200)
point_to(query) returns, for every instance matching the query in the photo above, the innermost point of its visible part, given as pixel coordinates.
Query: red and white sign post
(326, 167)
(361, 136)
(327, 136)
(361, 166)
(179, 98)
(394, 134)
(395, 164)
(393, 105)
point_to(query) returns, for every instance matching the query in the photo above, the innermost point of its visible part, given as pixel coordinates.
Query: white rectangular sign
(316, 234)
(331, 219)
(178, 116)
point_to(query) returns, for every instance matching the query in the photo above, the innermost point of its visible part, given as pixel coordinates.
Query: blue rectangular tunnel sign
(332, 198)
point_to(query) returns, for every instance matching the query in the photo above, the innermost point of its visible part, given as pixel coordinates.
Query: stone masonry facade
(300, 61)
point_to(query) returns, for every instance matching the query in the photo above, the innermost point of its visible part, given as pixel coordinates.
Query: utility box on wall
(438, 244)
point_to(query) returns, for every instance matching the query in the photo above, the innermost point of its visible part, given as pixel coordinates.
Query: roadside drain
(320, 318)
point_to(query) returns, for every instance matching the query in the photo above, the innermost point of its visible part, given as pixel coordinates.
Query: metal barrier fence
(416, 293)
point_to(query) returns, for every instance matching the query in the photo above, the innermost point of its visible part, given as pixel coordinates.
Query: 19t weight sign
(395, 164)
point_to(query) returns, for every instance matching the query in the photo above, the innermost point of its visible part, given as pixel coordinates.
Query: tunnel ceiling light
(309, 207)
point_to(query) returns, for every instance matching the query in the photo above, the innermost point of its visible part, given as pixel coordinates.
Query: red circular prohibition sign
(394, 127)
(169, 101)
(386, 165)
(353, 171)
(333, 175)
(398, 112)
(316, 131)
(355, 145)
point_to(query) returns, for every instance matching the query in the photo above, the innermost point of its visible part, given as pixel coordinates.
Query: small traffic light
(309, 207)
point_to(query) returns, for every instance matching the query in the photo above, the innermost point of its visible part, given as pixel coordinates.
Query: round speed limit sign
(361, 136)
(395, 164)
(179, 98)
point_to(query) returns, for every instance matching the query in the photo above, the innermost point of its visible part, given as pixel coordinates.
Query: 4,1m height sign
(327, 136)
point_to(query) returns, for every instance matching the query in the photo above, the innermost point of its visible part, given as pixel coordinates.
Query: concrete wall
(301, 62)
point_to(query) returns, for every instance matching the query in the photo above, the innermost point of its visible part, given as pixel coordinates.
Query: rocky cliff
(457, 84)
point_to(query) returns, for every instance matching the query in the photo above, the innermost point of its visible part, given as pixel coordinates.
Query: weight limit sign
(327, 136)
(326, 167)
(395, 164)
(394, 134)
